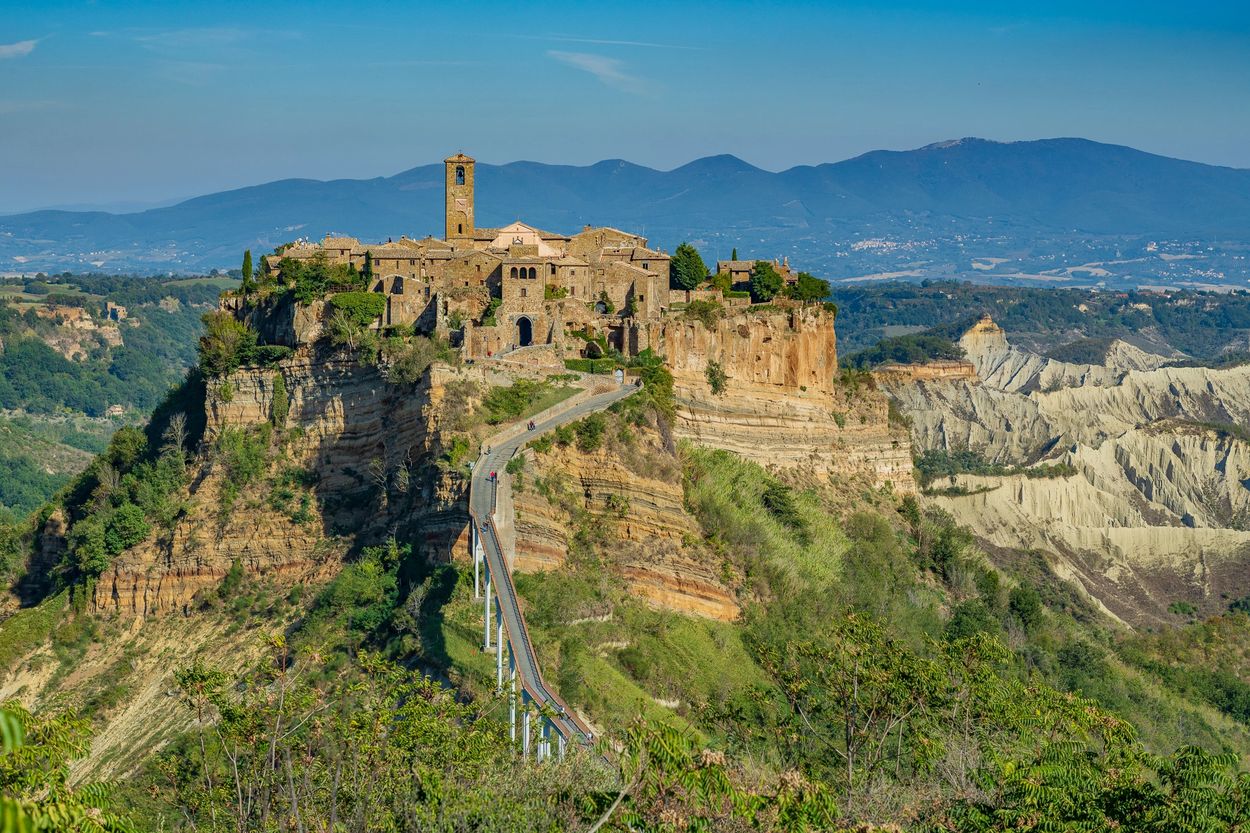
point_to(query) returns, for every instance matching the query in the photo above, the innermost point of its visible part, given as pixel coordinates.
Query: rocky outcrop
(938, 370)
(1157, 510)
(784, 402)
(1009, 368)
(631, 500)
(364, 452)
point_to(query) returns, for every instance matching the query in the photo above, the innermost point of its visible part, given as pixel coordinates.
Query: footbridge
(543, 716)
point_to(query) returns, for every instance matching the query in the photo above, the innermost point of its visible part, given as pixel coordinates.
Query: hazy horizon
(136, 102)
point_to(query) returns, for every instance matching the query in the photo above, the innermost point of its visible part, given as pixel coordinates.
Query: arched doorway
(524, 332)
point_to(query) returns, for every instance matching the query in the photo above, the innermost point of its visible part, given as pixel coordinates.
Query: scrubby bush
(706, 313)
(362, 308)
(716, 377)
(590, 432)
(227, 344)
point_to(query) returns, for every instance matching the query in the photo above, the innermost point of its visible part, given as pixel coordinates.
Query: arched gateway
(524, 332)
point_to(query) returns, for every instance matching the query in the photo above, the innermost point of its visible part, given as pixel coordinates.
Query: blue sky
(124, 103)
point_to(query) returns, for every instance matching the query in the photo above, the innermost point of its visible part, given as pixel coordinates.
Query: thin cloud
(17, 50)
(212, 36)
(601, 42)
(609, 71)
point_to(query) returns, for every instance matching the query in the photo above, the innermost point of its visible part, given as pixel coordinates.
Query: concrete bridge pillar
(512, 701)
(475, 547)
(525, 727)
(498, 650)
(486, 613)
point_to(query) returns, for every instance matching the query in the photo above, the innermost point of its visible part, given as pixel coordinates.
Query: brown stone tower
(459, 198)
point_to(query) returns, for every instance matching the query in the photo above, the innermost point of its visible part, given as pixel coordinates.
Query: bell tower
(459, 198)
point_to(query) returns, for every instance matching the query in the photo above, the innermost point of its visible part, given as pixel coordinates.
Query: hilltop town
(491, 291)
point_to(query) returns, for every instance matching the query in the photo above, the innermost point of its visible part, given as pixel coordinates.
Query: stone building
(516, 286)
(739, 271)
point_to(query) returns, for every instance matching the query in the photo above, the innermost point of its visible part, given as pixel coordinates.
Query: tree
(734, 256)
(809, 288)
(125, 528)
(368, 271)
(686, 269)
(247, 271)
(226, 344)
(766, 282)
(35, 793)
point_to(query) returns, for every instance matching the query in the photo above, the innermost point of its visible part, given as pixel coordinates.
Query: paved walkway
(481, 510)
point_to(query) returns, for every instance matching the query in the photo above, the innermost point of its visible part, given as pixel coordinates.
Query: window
(533, 273)
(459, 228)
(512, 273)
(460, 174)
(553, 268)
(522, 292)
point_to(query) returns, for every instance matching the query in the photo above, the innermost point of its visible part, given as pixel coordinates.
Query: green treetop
(766, 282)
(686, 270)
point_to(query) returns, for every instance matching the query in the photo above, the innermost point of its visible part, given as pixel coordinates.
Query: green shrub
(125, 528)
(1025, 603)
(1182, 609)
(362, 308)
(591, 365)
(227, 344)
(231, 581)
(268, 355)
(716, 377)
(968, 619)
(488, 316)
(590, 432)
(280, 406)
(706, 313)
(506, 403)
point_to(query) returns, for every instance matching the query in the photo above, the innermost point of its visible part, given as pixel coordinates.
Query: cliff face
(1157, 510)
(630, 499)
(363, 453)
(784, 402)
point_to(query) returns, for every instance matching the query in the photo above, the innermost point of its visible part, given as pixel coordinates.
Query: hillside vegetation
(1203, 325)
(57, 408)
(884, 670)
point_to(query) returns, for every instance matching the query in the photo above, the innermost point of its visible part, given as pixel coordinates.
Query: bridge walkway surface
(486, 544)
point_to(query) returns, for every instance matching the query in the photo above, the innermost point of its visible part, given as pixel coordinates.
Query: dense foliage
(686, 268)
(766, 282)
(909, 349)
(1201, 324)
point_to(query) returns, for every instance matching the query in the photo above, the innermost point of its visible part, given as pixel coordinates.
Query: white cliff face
(1157, 511)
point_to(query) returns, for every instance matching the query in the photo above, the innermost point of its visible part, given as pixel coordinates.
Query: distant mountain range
(929, 211)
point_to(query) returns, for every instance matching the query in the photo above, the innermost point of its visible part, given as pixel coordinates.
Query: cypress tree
(734, 256)
(368, 271)
(247, 269)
